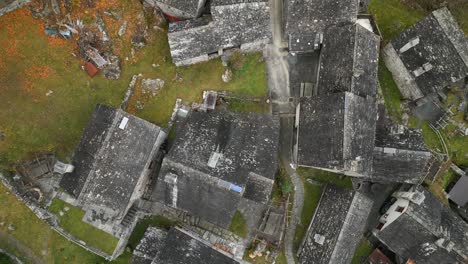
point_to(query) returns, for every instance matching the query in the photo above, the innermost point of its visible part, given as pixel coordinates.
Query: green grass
(312, 194)
(390, 92)
(72, 223)
(4, 259)
(326, 177)
(448, 177)
(37, 236)
(243, 106)
(459, 13)
(393, 17)
(35, 122)
(239, 225)
(282, 187)
(363, 251)
(143, 224)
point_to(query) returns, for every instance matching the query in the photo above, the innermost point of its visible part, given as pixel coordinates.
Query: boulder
(151, 86)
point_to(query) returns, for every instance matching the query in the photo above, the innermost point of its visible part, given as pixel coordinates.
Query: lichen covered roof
(233, 23)
(109, 160)
(349, 61)
(415, 233)
(337, 226)
(441, 43)
(336, 131)
(312, 16)
(247, 143)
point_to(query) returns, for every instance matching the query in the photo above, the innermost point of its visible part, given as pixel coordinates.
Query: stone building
(429, 56)
(418, 227)
(177, 246)
(336, 228)
(112, 165)
(233, 24)
(335, 122)
(400, 154)
(219, 162)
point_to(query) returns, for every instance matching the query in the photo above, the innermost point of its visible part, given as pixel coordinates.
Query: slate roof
(248, 142)
(109, 161)
(176, 246)
(416, 233)
(349, 61)
(441, 43)
(233, 23)
(246, 146)
(400, 154)
(337, 226)
(337, 132)
(458, 193)
(150, 246)
(313, 16)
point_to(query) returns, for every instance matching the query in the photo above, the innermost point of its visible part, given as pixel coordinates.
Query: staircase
(129, 218)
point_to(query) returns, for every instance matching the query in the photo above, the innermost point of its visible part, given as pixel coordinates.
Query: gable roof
(458, 193)
(246, 143)
(115, 150)
(314, 16)
(349, 61)
(427, 233)
(337, 226)
(400, 154)
(430, 55)
(233, 24)
(336, 132)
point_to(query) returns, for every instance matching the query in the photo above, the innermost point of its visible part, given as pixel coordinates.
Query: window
(400, 209)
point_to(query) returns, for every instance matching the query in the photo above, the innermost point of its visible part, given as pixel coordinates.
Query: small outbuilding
(459, 192)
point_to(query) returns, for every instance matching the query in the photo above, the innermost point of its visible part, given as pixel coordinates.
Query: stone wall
(12, 6)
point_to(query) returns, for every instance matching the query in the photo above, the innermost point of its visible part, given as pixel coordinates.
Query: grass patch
(326, 177)
(312, 194)
(391, 94)
(239, 225)
(363, 251)
(31, 64)
(37, 236)
(460, 15)
(393, 17)
(5, 259)
(143, 224)
(447, 178)
(243, 106)
(458, 148)
(72, 223)
(282, 187)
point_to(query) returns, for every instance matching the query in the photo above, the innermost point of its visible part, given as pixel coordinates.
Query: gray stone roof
(337, 132)
(150, 246)
(400, 154)
(234, 23)
(218, 158)
(424, 232)
(180, 248)
(312, 16)
(337, 226)
(176, 246)
(110, 161)
(439, 53)
(349, 61)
